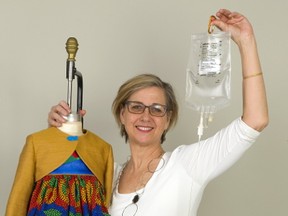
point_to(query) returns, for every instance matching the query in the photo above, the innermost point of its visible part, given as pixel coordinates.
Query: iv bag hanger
(71, 72)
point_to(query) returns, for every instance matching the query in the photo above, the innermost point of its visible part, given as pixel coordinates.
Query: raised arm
(255, 108)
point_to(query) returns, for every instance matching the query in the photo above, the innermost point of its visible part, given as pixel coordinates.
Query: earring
(163, 137)
(123, 132)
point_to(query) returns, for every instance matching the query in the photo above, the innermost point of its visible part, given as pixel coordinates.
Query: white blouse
(177, 188)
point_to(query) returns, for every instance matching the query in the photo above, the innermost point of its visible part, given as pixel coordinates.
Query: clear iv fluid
(207, 90)
(208, 71)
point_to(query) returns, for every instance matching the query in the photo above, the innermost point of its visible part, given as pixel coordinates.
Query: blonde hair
(140, 82)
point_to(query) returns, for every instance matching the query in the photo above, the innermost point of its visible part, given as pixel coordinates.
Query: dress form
(73, 125)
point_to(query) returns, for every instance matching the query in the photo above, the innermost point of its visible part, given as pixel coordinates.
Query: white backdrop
(119, 39)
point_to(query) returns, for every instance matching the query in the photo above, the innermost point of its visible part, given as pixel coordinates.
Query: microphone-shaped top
(71, 48)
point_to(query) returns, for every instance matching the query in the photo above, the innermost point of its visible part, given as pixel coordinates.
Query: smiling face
(145, 129)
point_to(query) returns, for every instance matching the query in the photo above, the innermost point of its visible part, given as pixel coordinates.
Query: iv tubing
(200, 127)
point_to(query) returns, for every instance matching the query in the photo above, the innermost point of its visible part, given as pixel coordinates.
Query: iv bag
(208, 74)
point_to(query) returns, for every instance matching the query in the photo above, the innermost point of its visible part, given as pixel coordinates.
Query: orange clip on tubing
(211, 27)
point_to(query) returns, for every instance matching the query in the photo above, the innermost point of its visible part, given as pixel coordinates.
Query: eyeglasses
(155, 109)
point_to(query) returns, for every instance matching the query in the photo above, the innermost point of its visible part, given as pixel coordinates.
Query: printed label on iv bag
(209, 71)
(210, 62)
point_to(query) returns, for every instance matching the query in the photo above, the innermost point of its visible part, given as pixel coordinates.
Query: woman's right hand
(55, 116)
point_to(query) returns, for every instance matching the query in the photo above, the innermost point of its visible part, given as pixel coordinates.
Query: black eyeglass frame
(154, 105)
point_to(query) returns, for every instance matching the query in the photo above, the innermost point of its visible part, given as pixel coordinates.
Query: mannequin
(63, 171)
(72, 128)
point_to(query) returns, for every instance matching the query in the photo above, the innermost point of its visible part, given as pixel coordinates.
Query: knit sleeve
(23, 182)
(109, 176)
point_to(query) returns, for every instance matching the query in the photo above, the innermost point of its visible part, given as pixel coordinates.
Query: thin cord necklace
(132, 208)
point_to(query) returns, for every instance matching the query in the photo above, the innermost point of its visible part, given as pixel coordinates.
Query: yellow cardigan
(45, 151)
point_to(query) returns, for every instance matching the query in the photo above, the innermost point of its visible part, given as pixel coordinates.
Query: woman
(155, 182)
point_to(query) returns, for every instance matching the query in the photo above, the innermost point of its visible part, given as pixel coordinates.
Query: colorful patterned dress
(70, 190)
